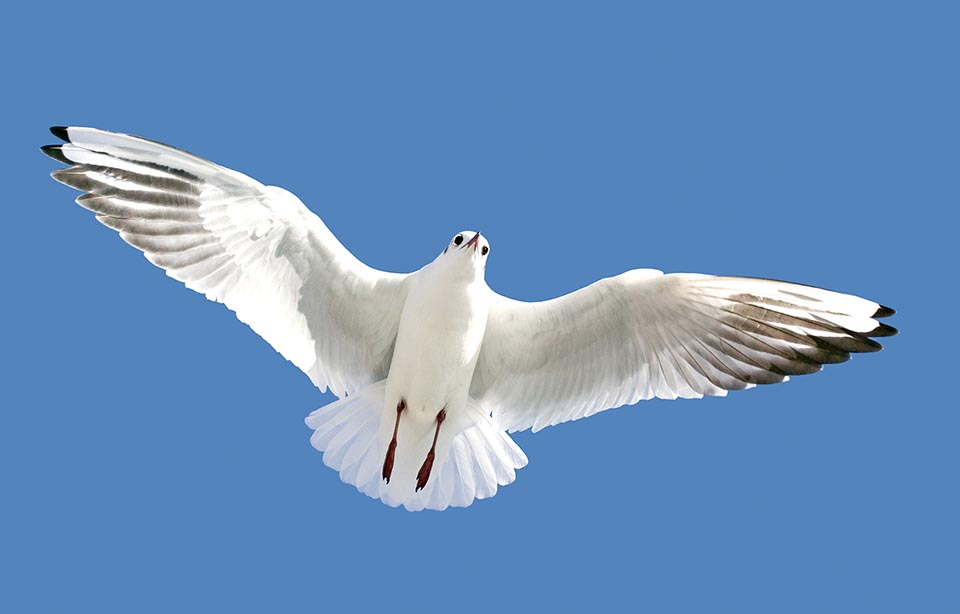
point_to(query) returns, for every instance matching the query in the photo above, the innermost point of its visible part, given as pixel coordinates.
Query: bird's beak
(473, 241)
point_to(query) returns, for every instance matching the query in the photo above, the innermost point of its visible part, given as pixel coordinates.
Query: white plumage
(435, 361)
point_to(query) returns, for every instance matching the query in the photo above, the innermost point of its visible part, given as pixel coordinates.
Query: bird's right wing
(644, 334)
(255, 248)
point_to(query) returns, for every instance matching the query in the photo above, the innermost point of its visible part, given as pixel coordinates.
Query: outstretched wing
(255, 248)
(644, 334)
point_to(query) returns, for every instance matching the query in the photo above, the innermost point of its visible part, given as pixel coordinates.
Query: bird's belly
(435, 355)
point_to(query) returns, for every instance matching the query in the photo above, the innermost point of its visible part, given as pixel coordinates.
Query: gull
(433, 369)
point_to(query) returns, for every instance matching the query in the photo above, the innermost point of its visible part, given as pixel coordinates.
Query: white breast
(441, 329)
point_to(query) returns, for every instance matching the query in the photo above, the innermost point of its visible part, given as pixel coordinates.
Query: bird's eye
(484, 250)
(458, 240)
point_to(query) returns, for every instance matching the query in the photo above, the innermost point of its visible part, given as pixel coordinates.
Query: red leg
(392, 448)
(424, 474)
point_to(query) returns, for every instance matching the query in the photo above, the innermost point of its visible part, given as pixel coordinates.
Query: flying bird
(433, 369)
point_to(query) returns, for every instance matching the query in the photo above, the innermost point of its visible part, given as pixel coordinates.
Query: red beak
(473, 241)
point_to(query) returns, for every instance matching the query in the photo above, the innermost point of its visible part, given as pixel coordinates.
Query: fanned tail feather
(479, 459)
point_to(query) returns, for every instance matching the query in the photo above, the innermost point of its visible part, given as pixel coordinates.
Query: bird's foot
(388, 461)
(424, 474)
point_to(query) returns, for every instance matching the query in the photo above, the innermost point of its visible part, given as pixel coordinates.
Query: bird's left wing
(256, 248)
(644, 334)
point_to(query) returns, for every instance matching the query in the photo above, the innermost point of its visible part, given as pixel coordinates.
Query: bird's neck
(454, 271)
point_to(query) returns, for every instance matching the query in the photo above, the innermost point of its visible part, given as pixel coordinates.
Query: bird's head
(467, 249)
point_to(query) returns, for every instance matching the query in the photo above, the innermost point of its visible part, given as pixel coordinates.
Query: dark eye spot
(458, 240)
(484, 250)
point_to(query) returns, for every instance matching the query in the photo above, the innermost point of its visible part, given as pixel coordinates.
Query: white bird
(433, 368)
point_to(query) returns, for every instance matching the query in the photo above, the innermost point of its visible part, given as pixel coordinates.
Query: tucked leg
(424, 474)
(392, 448)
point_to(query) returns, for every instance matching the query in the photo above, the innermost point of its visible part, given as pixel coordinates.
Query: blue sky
(154, 452)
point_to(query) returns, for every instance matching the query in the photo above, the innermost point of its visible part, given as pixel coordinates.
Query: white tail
(480, 458)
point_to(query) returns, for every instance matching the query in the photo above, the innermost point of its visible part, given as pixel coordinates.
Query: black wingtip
(55, 152)
(60, 132)
(884, 312)
(884, 330)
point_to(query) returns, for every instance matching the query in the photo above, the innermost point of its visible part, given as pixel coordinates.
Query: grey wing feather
(644, 334)
(255, 248)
